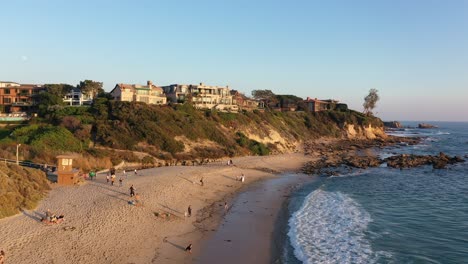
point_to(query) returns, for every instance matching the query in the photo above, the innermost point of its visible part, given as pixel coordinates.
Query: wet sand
(247, 232)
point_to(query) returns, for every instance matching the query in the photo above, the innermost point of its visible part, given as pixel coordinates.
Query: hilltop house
(16, 97)
(76, 98)
(243, 102)
(315, 105)
(202, 96)
(148, 93)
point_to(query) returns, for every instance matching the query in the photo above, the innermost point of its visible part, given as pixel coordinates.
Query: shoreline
(248, 232)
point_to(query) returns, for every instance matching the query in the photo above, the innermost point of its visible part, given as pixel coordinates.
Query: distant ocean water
(386, 215)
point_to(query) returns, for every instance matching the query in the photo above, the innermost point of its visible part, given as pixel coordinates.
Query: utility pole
(17, 148)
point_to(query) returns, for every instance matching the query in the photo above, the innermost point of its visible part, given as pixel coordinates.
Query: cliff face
(136, 131)
(364, 132)
(20, 188)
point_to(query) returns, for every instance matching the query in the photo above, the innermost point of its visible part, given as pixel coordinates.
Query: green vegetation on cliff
(20, 188)
(111, 131)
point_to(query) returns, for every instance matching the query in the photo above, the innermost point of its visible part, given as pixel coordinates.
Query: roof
(327, 101)
(137, 86)
(29, 86)
(65, 157)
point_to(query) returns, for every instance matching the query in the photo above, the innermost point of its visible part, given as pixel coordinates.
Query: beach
(252, 230)
(102, 227)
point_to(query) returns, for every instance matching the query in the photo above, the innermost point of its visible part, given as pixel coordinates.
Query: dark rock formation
(392, 124)
(409, 161)
(344, 155)
(424, 125)
(362, 162)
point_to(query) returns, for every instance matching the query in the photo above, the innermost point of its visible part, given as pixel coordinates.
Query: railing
(30, 164)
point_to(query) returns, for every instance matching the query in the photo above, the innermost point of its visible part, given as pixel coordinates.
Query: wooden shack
(65, 173)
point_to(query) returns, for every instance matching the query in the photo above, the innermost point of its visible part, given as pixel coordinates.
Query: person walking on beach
(243, 177)
(136, 172)
(189, 248)
(132, 191)
(112, 179)
(201, 181)
(226, 207)
(125, 174)
(189, 210)
(120, 182)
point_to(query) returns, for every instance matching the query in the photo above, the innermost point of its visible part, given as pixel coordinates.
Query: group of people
(111, 176)
(52, 218)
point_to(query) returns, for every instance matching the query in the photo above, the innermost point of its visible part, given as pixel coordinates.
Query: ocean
(386, 215)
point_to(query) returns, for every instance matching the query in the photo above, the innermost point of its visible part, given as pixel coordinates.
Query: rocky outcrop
(392, 124)
(424, 125)
(409, 161)
(342, 156)
(364, 132)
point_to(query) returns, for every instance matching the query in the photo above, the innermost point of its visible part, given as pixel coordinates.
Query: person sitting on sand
(53, 219)
(189, 248)
(137, 200)
(48, 215)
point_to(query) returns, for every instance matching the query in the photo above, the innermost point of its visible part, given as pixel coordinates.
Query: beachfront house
(149, 93)
(15, 97)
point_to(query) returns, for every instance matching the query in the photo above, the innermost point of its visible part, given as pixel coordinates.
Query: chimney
(149, 83)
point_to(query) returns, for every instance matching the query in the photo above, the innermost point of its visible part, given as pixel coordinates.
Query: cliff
(110, 132)
(20, 188)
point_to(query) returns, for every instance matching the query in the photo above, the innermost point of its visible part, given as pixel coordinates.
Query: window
(7, 100)
(6, 91)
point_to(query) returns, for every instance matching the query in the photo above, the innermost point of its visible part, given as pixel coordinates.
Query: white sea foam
(329, 228)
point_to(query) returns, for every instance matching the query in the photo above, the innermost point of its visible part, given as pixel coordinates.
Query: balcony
(21, 104)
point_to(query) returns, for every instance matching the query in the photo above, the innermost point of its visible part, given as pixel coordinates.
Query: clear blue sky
(414, 52)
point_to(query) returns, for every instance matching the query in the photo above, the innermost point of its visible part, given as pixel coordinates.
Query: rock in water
(424, 125)
(393, 124)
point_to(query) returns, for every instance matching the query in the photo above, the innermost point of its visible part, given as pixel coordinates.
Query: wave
(329, 228)
(416, 132)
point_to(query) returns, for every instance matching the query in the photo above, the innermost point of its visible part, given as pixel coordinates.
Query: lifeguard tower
(65, 173)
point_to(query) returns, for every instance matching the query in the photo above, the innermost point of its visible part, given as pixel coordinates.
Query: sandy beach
(102, 227)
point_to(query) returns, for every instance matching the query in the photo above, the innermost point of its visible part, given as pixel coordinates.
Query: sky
(415, 53)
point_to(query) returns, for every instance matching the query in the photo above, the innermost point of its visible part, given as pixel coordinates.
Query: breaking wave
(329, 228)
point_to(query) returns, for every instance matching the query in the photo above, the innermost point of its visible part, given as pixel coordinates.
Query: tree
(48, 102)
(91, 88)
(267, 96)
(58, 89)
(263, 94)
(370, 101)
